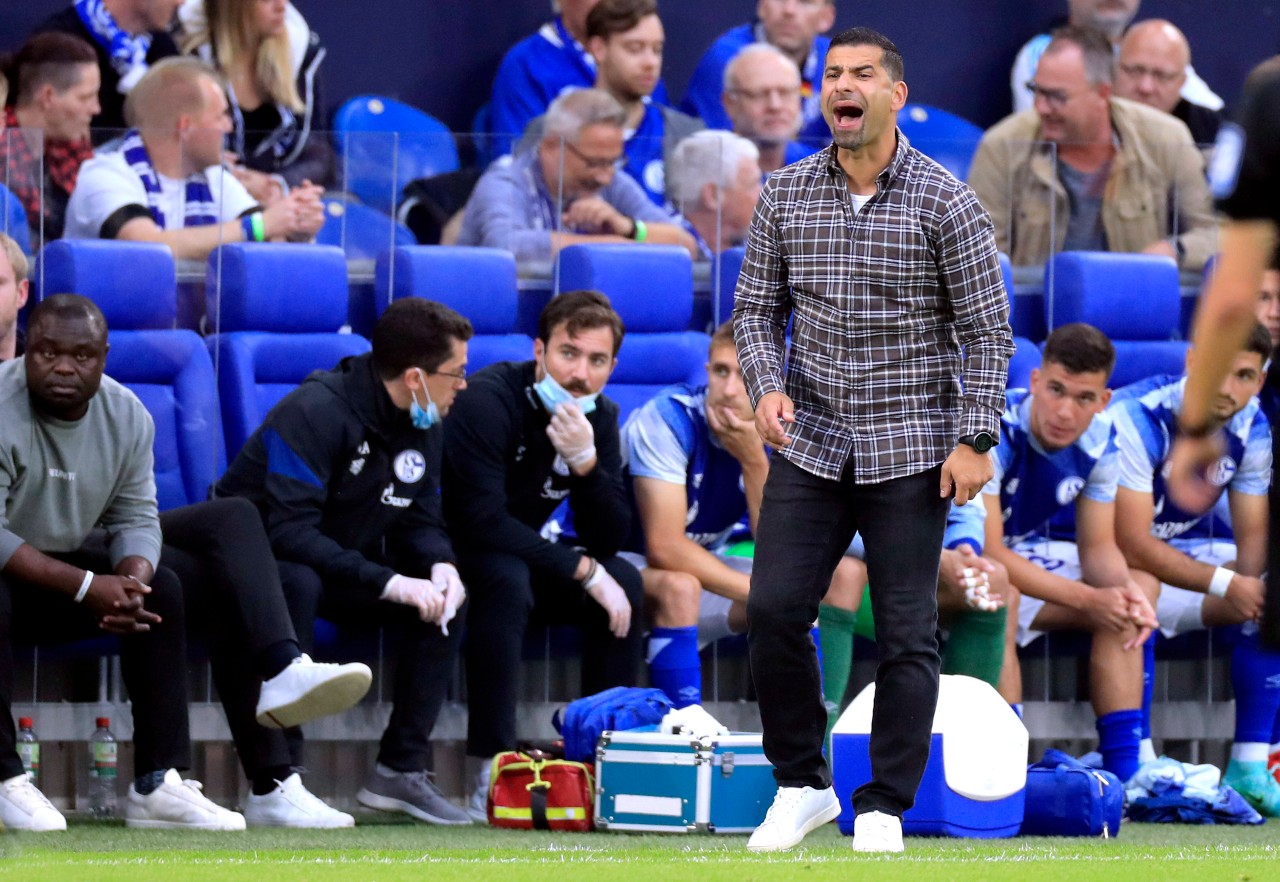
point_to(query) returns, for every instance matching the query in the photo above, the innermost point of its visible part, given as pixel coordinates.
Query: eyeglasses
(1055, 98)
(595, 163)
(456, 376)
(1140, 71)
(760, 96)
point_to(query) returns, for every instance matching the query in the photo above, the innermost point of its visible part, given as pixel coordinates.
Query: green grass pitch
(378, 850)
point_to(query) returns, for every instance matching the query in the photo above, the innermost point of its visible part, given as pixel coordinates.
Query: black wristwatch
(981, 442)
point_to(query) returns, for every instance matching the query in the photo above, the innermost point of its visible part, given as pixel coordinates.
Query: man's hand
(297, 216)
(571, 435)
(264, 188)
(965, 473)
(419, 593)
(773, 413)
(446, 579)
(1121, 608)
(592, 214)
(1190, 463)
(1247, 595)
(605, 591)
(117, 602)
(736, 435)
(966, 573)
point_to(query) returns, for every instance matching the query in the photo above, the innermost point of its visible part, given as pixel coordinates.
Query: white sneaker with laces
(795, 811)
(24, 807)
(478, 803)
(306, 690)
(292, 805)
(877, 832)
(178, 805)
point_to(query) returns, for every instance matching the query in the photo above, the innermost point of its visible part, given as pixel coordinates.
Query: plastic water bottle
(29, 750)
(102, 771)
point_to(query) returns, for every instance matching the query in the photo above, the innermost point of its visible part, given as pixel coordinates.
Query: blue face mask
(552, 394)
(423, 418)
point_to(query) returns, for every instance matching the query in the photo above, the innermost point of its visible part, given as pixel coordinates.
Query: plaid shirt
(881, 304)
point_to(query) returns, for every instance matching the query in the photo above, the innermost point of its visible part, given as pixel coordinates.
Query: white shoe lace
(298, 794)
(785, 801)
(22, 793)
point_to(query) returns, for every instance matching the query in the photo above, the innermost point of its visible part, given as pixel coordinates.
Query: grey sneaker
(412, 793)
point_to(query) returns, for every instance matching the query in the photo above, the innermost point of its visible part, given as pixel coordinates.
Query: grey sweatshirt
(59, 479)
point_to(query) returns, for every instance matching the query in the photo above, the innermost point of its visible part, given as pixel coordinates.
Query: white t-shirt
(107, 184)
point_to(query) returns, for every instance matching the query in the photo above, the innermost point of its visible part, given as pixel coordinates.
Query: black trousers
(504, 592)
(154, 663)
(423, 658)
(806, 523)
(235, 604)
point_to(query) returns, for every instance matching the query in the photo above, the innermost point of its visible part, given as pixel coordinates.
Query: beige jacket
(1156, 189)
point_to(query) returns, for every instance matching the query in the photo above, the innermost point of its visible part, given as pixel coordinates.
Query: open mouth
(846, 114)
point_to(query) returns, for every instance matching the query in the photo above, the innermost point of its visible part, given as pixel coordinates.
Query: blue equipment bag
(616, 709)
(1067, 798)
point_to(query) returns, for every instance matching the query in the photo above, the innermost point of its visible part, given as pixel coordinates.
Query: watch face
(983, 442)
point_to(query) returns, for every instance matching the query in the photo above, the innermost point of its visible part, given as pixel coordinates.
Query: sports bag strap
(538, 793)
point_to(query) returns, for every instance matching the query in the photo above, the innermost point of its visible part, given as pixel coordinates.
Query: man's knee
(165, 597)
(675, 596)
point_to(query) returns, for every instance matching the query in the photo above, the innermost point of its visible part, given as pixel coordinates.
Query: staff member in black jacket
(526, 436)
(345, 471)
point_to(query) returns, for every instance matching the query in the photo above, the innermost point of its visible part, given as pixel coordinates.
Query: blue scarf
(128, 53)
(199, 207)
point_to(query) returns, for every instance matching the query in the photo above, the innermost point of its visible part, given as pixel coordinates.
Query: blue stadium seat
(1132, 298)
(384, 144)
(363, 233)
(724, 281)
(1026, 358)
(651, 287)
(277, 310)
(947, 139)
(480, 283)
(169, 370)
(13, 219)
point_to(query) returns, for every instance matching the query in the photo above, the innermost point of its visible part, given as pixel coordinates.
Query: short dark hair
(1081, 349)
(70, 307)
(580, 311)
(892, 60)
(415, 332)
(50, 58)
(721, 336)
(609, 17)
(1099, 54)
(1259, 341)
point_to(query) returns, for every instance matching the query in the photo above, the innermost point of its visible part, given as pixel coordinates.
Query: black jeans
(235, 603)
(504, 592)
(806, 523)
(422, 655)
(153, 663)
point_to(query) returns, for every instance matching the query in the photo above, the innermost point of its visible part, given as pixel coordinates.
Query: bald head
(1153, 64)
(762, 94)
(171, 88)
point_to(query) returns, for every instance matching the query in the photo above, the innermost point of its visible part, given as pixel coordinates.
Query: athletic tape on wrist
(1220, 582)
(84, 585)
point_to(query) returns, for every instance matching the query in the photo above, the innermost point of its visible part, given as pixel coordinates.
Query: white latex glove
(420, 593)
(571, 434)
(604, 590)
(445, 577)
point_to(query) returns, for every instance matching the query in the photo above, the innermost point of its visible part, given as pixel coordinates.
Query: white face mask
(423, 417)
(552, 394)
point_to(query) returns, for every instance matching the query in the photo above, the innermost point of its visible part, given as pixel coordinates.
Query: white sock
(1249, 751)
(1146, 751)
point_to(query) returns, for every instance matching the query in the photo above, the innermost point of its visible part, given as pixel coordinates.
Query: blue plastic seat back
(947, 139)
(13, 219)
(649, 362)
(724, 281)
(133, 283)
(1026, 358)
(363, 233)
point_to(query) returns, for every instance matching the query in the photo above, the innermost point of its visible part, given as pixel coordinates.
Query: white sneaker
(23, 807)
(478, 804)
(877, 832)
(306, 690)
(178, 805)
(795, 811)
(293, 805)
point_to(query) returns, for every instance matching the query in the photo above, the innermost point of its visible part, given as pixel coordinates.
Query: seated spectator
(13, 296)
(90, 558)
(345, 473)
(715, 182)
(1087, 171)
(795, 27)
(1208, 581)
(271, 61)
(128, 37)
(565, 189)
(1151, 69)
(762, 99)
(55, 80)
(1111, 17)
(1056, 447)
(696, 466)
(166, 183)
(539, 68)
(524, 438)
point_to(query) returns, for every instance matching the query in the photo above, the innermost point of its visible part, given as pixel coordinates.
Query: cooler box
(654, 782)
(975, 782)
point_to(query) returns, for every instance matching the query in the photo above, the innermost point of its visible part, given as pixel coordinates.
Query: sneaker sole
(343, 825)
(327, 698)
(149, 824)
(386, 804)
(826, 816)
(878, 849)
